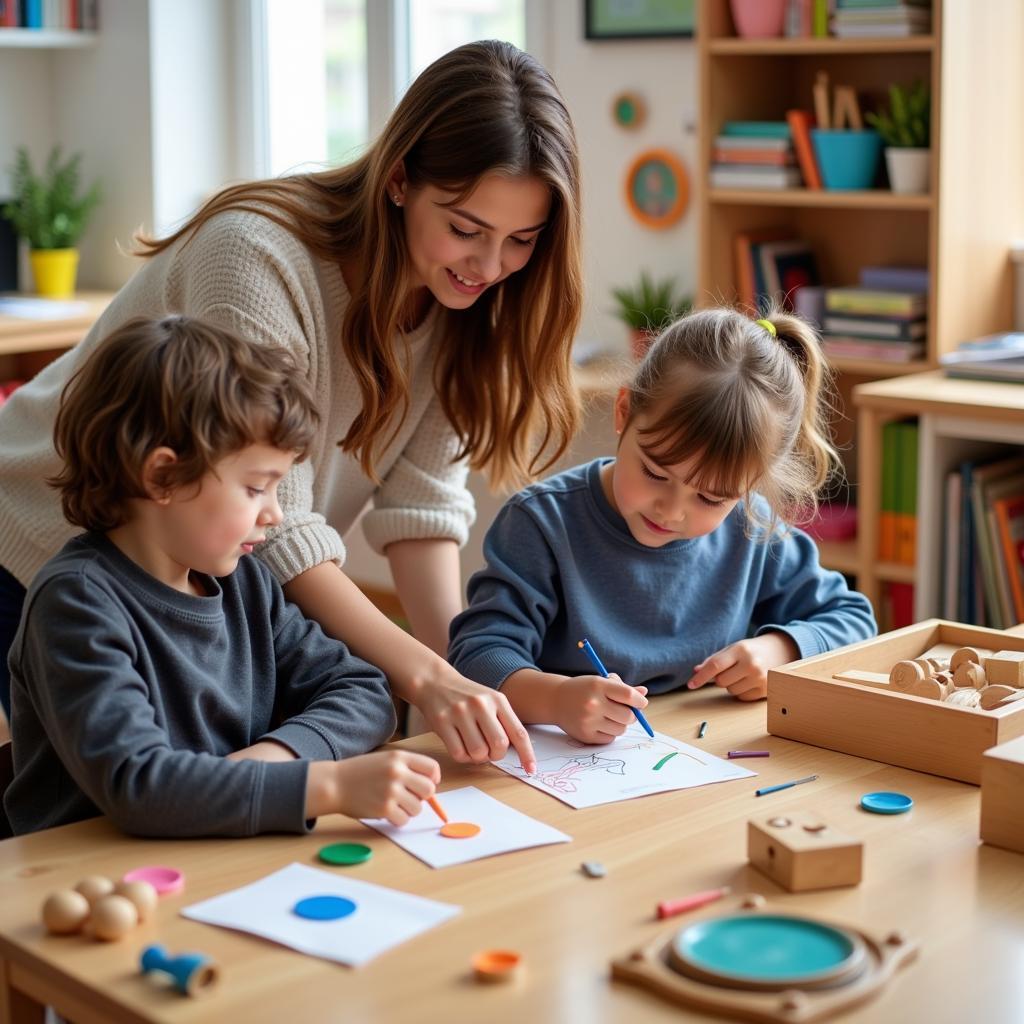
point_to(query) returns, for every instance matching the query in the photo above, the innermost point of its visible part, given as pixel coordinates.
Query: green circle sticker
(345, 853)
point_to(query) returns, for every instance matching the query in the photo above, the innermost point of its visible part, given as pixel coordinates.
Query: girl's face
(657, 502)
(459, 251)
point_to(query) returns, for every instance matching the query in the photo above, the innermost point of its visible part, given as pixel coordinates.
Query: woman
(431, 291)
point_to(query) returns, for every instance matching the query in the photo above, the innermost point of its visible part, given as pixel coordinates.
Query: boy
(158, 675)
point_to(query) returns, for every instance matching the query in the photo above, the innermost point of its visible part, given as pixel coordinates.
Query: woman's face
(459, 251)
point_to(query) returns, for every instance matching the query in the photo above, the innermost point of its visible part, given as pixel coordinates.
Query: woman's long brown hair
(503, 369)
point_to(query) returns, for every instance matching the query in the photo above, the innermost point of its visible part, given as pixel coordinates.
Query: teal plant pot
(847, 159)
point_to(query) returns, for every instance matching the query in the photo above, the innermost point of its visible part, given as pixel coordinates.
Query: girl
(430, 293)
(674, 555)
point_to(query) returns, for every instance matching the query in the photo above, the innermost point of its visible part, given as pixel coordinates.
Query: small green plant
(47, 208)
(650, 305)
(907, 122)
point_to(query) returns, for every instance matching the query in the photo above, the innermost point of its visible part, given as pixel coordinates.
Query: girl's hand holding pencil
(597, 709)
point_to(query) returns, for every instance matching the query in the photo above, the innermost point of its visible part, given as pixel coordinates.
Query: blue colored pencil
(596, 662)
(783, 785)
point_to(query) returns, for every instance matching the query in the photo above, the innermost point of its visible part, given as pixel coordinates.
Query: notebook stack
(754, 154)
(866, 19)
(883, 318)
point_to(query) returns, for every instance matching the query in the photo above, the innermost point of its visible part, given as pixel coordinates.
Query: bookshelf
(960, 229)
(958, 419)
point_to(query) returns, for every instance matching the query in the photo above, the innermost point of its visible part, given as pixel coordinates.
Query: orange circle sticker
(460, 830)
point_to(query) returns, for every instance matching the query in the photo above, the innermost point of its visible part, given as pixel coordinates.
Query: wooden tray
(806, 704)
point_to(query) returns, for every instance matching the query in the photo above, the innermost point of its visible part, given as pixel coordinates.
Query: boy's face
(209, 530)
(459, 252)
(657, 502)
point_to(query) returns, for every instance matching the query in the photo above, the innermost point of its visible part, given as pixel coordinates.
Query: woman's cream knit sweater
(245, 272)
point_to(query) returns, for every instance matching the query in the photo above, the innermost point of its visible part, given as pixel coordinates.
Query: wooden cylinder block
(930, 688)
(904, 674)
(969, 675)
(996, 696)
(969, 655)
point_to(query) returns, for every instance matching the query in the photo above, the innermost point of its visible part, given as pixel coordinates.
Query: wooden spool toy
(997, 696)
(756, 964)
(969, 675)
(192, 974)
(969, 656)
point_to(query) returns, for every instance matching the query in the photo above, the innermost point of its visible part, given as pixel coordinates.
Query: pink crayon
(669, 908)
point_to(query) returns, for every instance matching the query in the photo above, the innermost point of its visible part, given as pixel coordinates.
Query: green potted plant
(50, 213)
(906, 129)
(647, 307)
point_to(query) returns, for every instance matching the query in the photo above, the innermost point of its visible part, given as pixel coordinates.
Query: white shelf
(46, 38)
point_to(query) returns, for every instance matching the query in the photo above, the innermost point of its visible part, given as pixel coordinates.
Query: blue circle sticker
(324, 908)
(886, 803)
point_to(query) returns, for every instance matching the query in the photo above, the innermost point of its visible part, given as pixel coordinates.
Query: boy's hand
(595, 709)
(742, 668)
(388, 784)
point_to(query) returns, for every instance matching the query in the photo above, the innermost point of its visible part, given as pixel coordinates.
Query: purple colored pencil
(749, 753)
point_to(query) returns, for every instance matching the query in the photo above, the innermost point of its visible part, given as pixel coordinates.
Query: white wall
(590, 74)
(151, 108)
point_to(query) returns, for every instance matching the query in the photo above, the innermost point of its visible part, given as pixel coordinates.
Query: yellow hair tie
(768, 326)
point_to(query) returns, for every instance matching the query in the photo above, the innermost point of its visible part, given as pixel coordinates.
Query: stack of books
(771, 266)
(994, 357)
(863, 19)
(983, 570)
(754, 154)
(883, 318)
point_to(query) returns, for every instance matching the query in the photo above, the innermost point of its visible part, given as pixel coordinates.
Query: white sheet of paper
(28, 308)
(585, 775)
(383, 917)
(502, 829)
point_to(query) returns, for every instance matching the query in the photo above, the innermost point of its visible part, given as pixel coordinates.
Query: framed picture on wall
(657, 188)
(638, 19)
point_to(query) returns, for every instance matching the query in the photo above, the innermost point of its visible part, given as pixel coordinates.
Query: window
(332, 70)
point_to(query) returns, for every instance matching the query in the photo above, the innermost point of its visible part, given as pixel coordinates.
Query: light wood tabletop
(21, 334)
(925, 873)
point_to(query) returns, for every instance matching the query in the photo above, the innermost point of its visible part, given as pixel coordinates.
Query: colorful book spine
(1009, 513)
(875, 302)
(906, 494)
(768, 129)
(800, 122)
(887, 517)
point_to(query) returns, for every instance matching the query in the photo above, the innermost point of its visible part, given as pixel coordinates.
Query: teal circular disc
(324, 908)
(766, 950)
(344, 854)
(886, 803)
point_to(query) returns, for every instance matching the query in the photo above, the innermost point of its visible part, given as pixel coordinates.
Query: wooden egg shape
(65, 911)
(113, 917)
(95, 887)
(142, 894)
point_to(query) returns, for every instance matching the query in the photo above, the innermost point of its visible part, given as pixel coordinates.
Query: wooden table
(924, 873)
(22, 334)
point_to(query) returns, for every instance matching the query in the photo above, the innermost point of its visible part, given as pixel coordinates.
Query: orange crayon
(437, 809)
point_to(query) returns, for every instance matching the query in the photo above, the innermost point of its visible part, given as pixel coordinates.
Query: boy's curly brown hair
(178, 382)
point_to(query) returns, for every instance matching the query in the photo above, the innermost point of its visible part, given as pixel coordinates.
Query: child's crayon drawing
(585, 775)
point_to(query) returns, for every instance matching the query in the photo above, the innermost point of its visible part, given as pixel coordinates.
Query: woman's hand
(476, 724)
(742, 668)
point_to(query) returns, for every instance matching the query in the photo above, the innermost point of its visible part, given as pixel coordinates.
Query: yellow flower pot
(54, 271)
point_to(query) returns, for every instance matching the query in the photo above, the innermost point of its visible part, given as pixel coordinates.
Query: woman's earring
(396, 199)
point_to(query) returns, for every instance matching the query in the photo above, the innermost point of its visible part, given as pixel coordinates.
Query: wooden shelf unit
(949, 410)
(47, 38)
(960, 229)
